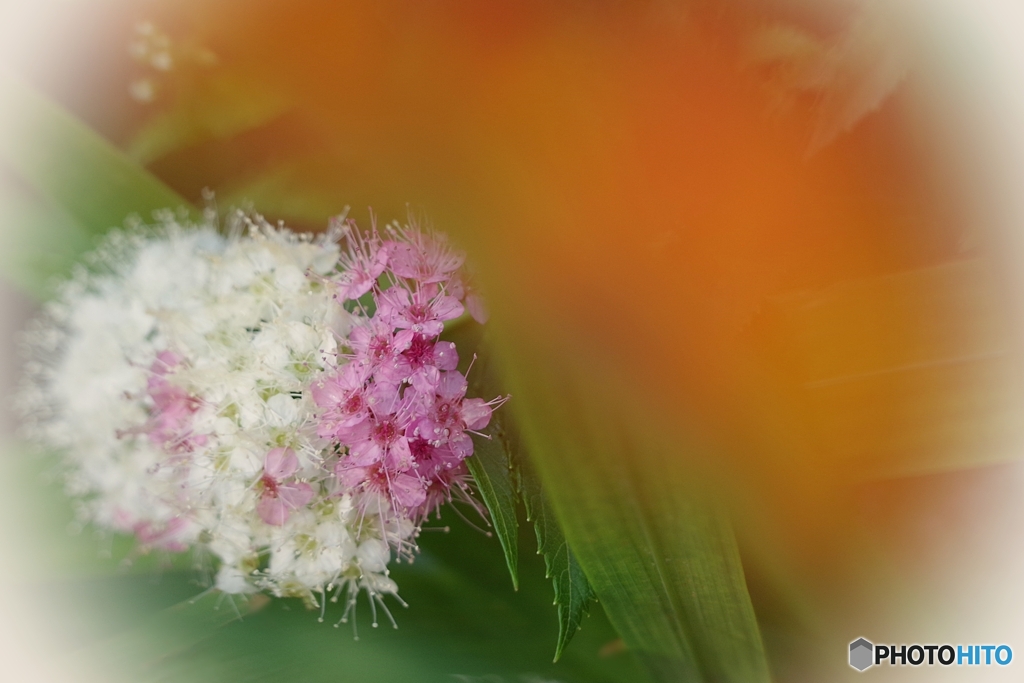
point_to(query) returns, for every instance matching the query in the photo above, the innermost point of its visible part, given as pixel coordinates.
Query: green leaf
(462, 624)
(73, 167)
(169, 632)
(220, 104)
(573, 592)
(491, 468)
(660, 554)
(38, 241)
(283, 192)
(492, 464)
(502, 473)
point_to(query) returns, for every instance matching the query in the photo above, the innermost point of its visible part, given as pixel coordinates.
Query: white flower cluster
(174, 370)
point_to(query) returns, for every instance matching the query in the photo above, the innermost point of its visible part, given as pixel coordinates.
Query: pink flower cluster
(170, 421)
(399, 406)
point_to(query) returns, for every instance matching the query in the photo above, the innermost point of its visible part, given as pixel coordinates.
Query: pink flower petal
(280, 463)
(452, 386)
(446, 356)
(361, 264)
(476, 307)
(461, 445)
(350, 433)
(296, 494)
(327, 392)
(399, 456)
(425, 380)
(351, 477)
(405, 259)
(446, 307)
(427, 429)
(365, 453)
(402, 341)
(272, 510)
(392, 304)
(431, 328)
(426, 258)
(165, 362)
(475, 413)
(408, 491)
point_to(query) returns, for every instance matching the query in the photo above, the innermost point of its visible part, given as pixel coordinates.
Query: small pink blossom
(383, 439)
(462, 289)
(165, 536)
(378, 344)
(432, 460)
(361, 264)
(476, 307)
(343, 398)
(403, 490)
(451, 414)
(442, 484)
(278, 499)
(423, 257)
(170, 422)
(423, 361)
(418, 312)
(165, 363)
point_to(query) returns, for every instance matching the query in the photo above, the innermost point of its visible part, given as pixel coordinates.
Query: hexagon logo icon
(861, 654)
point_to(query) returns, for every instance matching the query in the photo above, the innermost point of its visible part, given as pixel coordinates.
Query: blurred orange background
(718, 221)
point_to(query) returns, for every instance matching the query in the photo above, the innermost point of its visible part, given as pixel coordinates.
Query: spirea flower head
(281, 400)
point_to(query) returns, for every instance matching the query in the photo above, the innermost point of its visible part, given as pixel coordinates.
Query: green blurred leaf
(283, 192)
(71, 166)
(502, 473)
(63, 551)
(491, 468)
(220, 105)
(169, 632)
(658, 551)
(492, 464)
(462, 624)
(38, 241)
(462, 619)
(573, 592)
